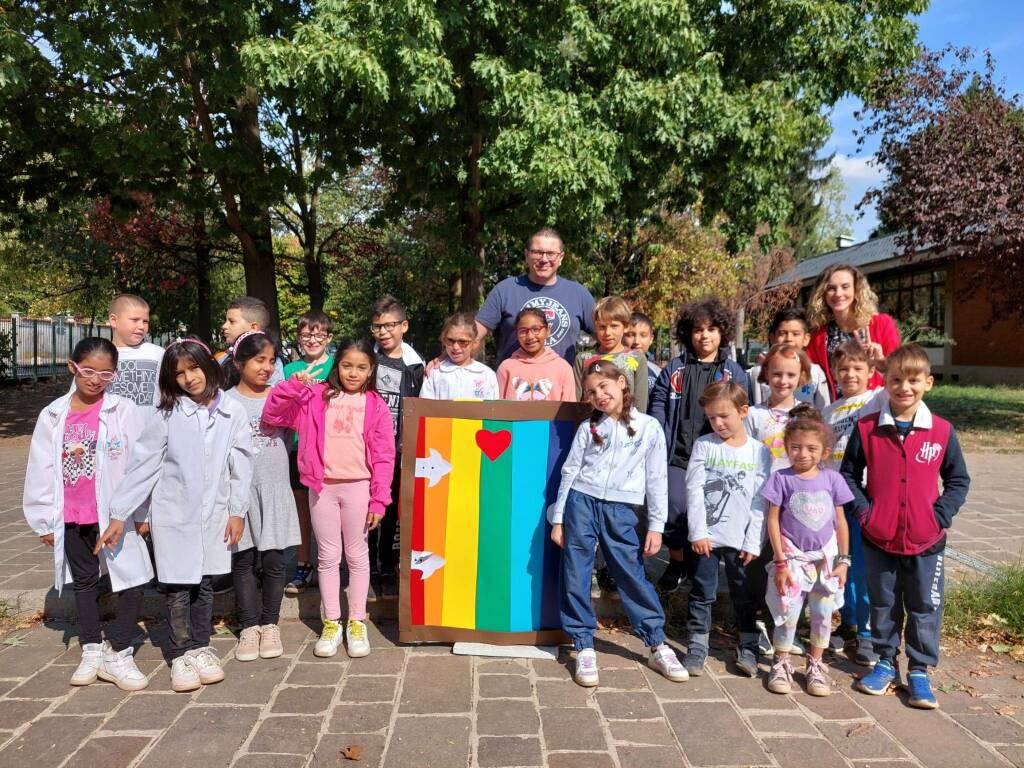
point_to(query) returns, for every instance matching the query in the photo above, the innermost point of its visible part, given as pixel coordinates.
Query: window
(921, 292)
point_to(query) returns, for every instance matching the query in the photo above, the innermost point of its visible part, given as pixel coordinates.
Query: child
(726, 517)
(138, 361)
(611, 319)
(459, 376)
(535, 371)
(789, 326)
(247, 313)
(346, 459)
(273, 524)
(702, 327)
(313, 334)
(194, 465)
(639, 336)
(786, 369)
(399, 375)
(616, 460)
(78, 455)
(854, 370)
(905, 450)
(810, 545)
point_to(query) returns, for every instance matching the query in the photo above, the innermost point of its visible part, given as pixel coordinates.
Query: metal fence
(32, 348)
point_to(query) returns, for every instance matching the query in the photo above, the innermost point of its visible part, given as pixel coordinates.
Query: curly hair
(865, 301)
(804, 417)
(607, 370)
(707, 310)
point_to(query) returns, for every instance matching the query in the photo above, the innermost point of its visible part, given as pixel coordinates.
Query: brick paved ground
(421, 706)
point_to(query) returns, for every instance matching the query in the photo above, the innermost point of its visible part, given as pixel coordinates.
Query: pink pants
(338, 514)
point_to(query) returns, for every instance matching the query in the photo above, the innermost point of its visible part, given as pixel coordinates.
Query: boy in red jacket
(903, 517)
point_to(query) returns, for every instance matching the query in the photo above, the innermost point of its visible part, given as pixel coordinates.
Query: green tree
(507, 115)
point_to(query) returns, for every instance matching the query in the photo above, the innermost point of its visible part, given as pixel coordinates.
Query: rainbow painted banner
(477, 560)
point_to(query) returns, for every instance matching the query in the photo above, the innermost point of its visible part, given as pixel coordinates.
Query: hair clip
(180, 340)
(246, 334)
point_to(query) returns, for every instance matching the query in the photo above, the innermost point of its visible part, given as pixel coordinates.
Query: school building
(928, 287)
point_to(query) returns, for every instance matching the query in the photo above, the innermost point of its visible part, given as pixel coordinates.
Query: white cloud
(857, 171)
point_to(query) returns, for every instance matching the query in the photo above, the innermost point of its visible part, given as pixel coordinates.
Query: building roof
(859, 255)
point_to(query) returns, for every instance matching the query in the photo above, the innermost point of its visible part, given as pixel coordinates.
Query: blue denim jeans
(856, 610)
(588, 522)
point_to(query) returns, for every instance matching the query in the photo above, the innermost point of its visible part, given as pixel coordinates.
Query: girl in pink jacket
(346, 458)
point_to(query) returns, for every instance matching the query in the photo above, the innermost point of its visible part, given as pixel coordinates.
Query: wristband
(843, 560)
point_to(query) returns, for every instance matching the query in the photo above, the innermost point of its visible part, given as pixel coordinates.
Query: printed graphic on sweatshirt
(136, 380)
(526, 391)
(261, 438)
(720, 487)
(389, 387)
(557, 316)
(812, 509)
(929, 452)
(78, 454)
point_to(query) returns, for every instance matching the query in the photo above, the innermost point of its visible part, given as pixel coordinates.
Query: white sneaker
(88, 667)
(358, 643)
(664, 661)
(184, 676)
(119, 668)
(586, 668)
(248, 648)
(206, 664)
(330, 639)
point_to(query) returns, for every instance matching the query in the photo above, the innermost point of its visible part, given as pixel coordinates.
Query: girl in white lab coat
(194, 465)
(79, 454)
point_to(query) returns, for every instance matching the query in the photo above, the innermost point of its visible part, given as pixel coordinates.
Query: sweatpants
(587, 522)
(189, 616)
(338, 514)
(906, 600)
(856, 610)
(79, 542)
(251, 611)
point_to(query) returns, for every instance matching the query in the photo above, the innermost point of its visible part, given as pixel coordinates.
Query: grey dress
(273, 522)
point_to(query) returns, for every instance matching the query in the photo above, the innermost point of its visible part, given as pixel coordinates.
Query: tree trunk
(472, 216)
(204, 309)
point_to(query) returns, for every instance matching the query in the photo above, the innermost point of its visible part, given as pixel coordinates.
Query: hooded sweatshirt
(545, 377)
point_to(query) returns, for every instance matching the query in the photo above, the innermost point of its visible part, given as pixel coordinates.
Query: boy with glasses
(399, 375)
(313, 334)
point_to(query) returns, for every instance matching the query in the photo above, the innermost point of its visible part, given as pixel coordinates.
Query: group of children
(225, 464)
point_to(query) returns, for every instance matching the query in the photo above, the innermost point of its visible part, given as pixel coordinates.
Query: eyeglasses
(458, 342)
(531, 330)
(539, 255)
(92, 373)
(314, 336)
(389, 327)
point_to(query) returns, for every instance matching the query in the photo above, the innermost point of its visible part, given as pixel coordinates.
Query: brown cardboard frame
(415, 408)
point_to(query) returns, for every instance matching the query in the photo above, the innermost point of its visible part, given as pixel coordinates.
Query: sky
(997, 25)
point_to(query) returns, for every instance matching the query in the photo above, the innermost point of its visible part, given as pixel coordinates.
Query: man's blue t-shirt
(567, 305)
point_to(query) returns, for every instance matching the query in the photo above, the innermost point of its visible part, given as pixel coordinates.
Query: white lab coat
(196, 468)
(120, 425)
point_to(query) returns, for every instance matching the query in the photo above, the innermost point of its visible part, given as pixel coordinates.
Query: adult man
(567, 304)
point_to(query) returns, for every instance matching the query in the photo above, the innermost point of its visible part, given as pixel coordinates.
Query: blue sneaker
(919, 689)
(877, 681)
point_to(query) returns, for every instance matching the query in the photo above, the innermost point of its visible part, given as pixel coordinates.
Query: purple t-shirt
(807, 506)
(567, 305)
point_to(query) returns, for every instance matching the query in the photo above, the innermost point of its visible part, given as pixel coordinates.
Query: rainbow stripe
(486, 518)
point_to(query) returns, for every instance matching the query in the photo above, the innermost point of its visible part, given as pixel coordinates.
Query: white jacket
(120, 424)
(196, 467)
(623, 468)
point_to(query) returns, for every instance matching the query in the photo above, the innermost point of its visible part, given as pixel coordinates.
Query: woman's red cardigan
(882, 330)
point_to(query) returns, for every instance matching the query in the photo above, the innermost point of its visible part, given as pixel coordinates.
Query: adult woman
(844, 308)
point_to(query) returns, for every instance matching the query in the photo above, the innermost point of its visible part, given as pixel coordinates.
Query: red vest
(903, 484)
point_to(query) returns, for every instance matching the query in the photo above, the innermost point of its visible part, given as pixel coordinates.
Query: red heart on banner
(493, 444)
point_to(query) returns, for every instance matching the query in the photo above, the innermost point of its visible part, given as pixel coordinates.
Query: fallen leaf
(947, 687)
(976, 708)
(1007, 711)
(858, 730)
(1002, 647)
(973, 692)
(14, 640)
(352, 752)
